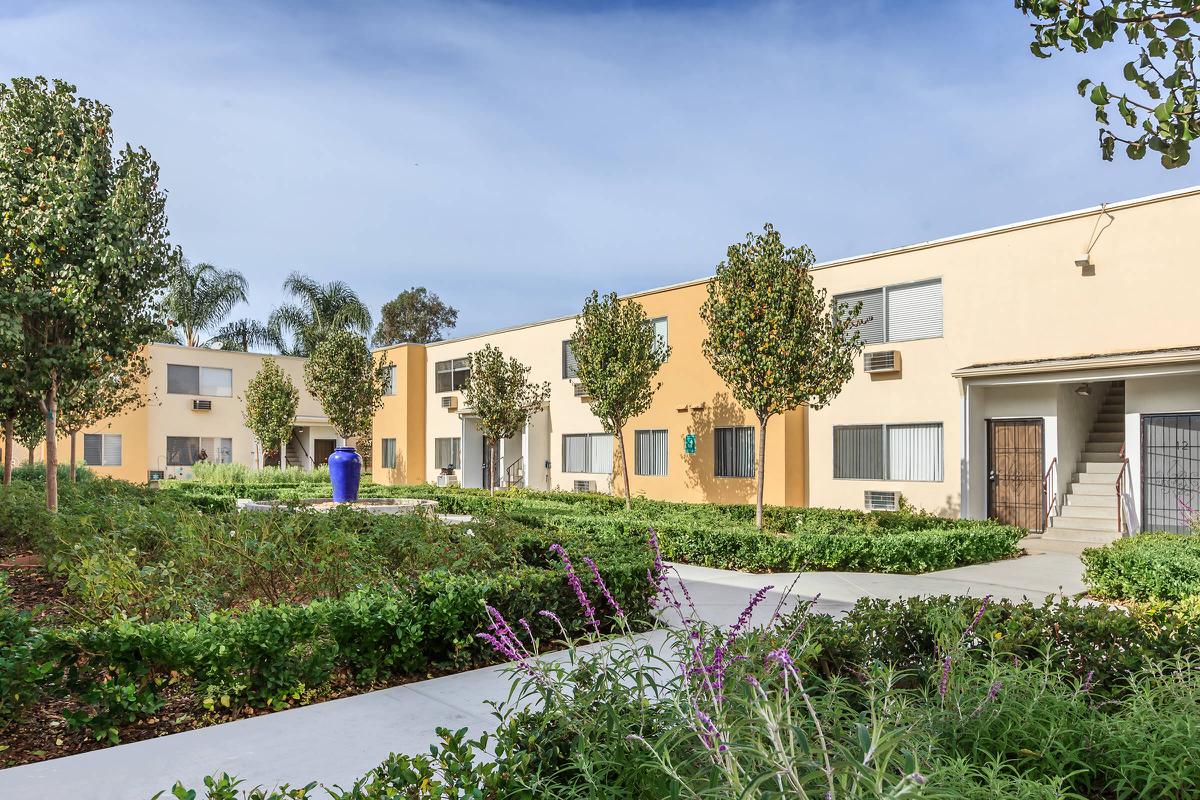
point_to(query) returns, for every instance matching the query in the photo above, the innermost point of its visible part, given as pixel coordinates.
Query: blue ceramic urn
(345, 471)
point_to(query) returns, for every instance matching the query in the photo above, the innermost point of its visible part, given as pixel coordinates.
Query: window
(390, 389)
(660, 329)
(445, 453)
(450, 376)
(587, 452)
(735, 452)
(898, 313)
(184, 451)
(206, 381)
(650, 452)
(102, 449)
(388, 456)
(569, 364)
(888, 452)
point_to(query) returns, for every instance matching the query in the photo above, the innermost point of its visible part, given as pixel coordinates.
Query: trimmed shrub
(1150, 566)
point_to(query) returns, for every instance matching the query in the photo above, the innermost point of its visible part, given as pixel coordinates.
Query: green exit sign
(689, 443)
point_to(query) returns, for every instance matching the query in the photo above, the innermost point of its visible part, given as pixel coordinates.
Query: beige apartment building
(1045, 373)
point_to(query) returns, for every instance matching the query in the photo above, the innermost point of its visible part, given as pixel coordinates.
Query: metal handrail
(1122, 525)
(508, 471)
(1050, 502)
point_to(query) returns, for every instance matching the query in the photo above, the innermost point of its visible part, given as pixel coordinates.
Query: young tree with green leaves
(348, 382)
(29, 429)
(501, 396)
(771, 337)
(199, 298)
(617, 355)
(1160, 110)
(270, 407)
(83, 241)
(109, 392)
(416, 315)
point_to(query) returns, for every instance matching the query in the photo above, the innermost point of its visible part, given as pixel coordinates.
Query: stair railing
(296, 438)
(512, 474)
(1050, 493)
(1122, 522)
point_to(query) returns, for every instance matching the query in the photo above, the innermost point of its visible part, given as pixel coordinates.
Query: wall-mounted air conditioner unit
(875, 500)
(450, 402)
(447, 480)
(581, 391)
(881, 361)
(584, 486)
(202, 405)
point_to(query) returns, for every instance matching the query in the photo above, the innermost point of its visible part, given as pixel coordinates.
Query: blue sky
(513, 156)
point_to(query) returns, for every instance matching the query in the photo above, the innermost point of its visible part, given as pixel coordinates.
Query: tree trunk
(73, 435)
(50, 406)
(761, 469)
(624, 463)
(8, 453)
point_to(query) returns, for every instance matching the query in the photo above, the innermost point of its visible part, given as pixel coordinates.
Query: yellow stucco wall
(402, 418)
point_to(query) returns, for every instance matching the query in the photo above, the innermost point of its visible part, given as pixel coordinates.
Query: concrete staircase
(1089, 510)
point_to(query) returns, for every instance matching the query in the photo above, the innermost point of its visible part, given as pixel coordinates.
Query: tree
(199, 297)
(500, 394)
(29, 429)
(320, 309)
(770, 336)
(617, 355)
(83, 241)
(347, 381)
(1160, 113)
(416, 315)
(270, 407)
(242, 335)
(109, 392)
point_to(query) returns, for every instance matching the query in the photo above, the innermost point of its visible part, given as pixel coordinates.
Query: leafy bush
(35, 472)
(1151, 566)
(233, 474)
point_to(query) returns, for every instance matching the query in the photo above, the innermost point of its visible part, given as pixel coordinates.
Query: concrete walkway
(340, 740)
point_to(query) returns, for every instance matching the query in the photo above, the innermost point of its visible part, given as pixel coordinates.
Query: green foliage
(199, 298)
(501, 396)
(36, 473)
(83, 240)
(295, 329)
(1151, 566)
(771, 338)
(1161, 112)
(270, 405)
(348, 382)
(415, 315)
(617, 355)
(234, 473)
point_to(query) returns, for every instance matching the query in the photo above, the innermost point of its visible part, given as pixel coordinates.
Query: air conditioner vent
(881, 361)
(584, 486)
(581, 390)
(447, 480)
(202, 405)
(450, 402)
(875, 500)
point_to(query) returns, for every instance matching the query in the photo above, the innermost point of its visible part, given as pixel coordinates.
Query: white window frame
(455, 450)
(886, 455)
(105, 439)
(390, 389)
(589, 467)
(387, 447)
(456, 366)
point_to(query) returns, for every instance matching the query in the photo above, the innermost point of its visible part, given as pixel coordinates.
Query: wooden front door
(1016, 483)
(322, 450)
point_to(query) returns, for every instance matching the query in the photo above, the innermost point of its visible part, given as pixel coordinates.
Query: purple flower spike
(944, 683)
(978, 616)
(1087, 682)
(589, 613)
(608, 598)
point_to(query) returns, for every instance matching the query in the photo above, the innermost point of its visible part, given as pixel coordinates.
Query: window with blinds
(889, 452)
(390, 389)
(734, 452)
(898, 313)
(445, 452)
(587, 452)
(650, 452)
(204, 381)
(660, 329)
(570, 367)
(387, 458)
(102, 449)
(184, 451)
(451, 375)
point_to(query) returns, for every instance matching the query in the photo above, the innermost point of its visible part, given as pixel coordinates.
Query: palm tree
(199, 298)
(296, 328)
(243, 335)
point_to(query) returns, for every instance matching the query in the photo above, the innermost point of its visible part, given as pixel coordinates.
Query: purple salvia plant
(599, 581)
(987, 598)
(944, 683)
(1087, 682)
(589, 613)
(716, 668)
(528, 631)
(708, 732)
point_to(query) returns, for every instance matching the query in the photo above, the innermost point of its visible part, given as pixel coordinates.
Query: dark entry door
(322, 450)
(1170, 471)
(1016, 487)
(487, 463)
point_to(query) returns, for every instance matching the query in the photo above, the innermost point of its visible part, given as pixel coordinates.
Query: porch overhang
(1110, 365)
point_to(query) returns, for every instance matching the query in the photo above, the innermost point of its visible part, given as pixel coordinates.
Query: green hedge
(1150, 566)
